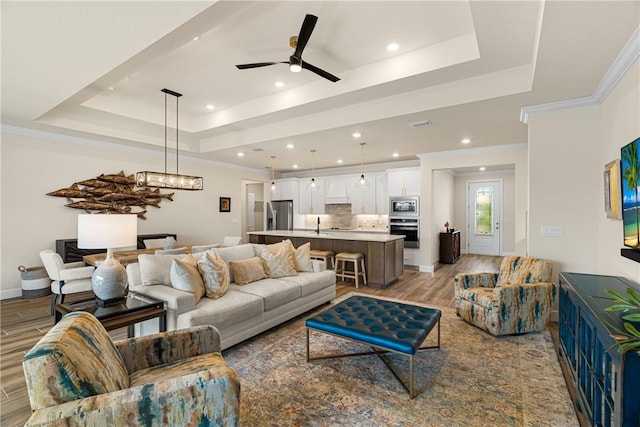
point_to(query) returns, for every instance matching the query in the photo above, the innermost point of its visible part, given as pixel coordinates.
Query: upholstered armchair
(516, 300)
(68, 278)
(76, 375)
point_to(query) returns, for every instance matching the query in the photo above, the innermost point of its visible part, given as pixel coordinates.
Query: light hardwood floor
(25, 321)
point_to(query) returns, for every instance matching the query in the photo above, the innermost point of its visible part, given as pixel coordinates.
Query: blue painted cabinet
(607, 383)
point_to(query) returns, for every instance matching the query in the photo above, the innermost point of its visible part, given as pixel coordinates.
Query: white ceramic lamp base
(109, 280)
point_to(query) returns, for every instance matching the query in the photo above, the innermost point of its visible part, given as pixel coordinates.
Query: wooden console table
(125, 257)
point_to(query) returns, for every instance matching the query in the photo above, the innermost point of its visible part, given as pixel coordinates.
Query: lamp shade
(107, 231)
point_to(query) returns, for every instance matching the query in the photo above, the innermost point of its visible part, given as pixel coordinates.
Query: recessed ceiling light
(466, 141)
(340, 160)
(111, 88)
(240, 154)
(279, 84)
(483, 169)
(210, 106)
(295, 166)
(196, 38)
(290, 146)
(392, 47)
(396, 155)
(356, 134)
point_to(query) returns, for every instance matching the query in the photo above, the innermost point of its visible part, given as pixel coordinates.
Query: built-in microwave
(404, 206)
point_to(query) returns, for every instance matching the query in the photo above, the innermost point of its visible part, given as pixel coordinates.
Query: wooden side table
(134, 309)
(449, 247)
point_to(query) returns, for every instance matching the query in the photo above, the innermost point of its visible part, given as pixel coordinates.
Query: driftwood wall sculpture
(113, 193)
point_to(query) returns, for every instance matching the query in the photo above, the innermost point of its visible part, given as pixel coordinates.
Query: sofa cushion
(156, 269)
(75, 359)
(233, 308)
(302, 257)
(312, 282)
(274, 292)
(186, 277)
(280, 264)
(247, 270)
(215, 274)
(235, 253)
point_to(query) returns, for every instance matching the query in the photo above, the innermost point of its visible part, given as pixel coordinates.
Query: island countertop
(331, 235)
(383, 253)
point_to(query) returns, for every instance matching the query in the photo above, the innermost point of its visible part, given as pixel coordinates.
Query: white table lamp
(100, 231)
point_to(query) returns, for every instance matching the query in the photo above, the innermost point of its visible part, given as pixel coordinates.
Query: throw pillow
(215, 274)
(247, 270)
(280, 264)
(186, 277)
(302, 257)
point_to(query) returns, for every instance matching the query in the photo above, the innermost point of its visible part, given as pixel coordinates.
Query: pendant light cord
(165, 135)
(177, 127)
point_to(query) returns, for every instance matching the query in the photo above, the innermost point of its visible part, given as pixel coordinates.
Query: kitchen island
(384, 253)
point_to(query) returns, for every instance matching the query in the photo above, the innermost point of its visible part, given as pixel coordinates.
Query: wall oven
(410, 227)
(404, 206)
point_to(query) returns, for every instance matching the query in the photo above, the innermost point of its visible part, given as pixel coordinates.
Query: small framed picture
(225, 204)
(612, 197)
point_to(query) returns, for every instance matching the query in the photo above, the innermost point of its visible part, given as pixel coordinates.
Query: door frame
(499, 213)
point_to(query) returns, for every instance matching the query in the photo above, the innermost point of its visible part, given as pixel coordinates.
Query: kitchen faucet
(318, 227)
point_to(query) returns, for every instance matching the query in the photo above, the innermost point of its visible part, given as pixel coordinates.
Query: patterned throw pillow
(186, 277)
(302, 257)
(280, 264)
(247, 270)
(215, 274)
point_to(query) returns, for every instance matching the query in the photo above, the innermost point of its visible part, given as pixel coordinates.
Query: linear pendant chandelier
(165, 179)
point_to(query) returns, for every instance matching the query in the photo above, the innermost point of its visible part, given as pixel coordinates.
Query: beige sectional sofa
(243, 311)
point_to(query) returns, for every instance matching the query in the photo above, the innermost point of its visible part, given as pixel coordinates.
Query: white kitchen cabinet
(363, 199)
(312, 201)
(403, 182)
(382, 194)
(286, 189)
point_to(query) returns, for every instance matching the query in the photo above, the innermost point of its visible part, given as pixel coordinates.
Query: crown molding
(623, 62)
(53, 136)
(474, 151)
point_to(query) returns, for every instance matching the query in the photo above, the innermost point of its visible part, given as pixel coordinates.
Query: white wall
(513, 155)
(31, 221)
(567, 151)
(508, 206)
(443, 205)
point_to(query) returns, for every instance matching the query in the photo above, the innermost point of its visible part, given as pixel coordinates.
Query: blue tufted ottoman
(386, 326)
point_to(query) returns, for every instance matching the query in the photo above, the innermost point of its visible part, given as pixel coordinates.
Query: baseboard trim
(427, 269)
(10, 293)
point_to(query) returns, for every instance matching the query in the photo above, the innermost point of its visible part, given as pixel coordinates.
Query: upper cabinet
(312, 200)
(286, 189)
(404, 182)
(372, 199)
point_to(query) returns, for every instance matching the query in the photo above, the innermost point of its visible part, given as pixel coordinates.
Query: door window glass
(483, 211)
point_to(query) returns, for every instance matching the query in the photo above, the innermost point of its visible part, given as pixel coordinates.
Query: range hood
(335, 191)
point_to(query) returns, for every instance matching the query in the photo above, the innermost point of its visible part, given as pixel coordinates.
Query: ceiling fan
(296, 64)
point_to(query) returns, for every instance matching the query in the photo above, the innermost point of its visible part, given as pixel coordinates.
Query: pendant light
(362, 182)
(273, 174)
(313, 185)
(165, 179)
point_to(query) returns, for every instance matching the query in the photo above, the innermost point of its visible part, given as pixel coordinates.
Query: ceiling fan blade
(305, 33)
(319, 71)
(258, 64)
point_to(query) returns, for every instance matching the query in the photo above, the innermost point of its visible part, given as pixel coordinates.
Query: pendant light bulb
(273, 173)
(362, 182)
(313, 185)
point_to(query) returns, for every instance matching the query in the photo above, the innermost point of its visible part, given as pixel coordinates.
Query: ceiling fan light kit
(296, 64)
(165, 179)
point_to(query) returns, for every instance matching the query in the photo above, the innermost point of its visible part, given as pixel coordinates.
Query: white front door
(483, 217)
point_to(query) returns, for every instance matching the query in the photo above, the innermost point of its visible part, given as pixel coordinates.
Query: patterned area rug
(474, 379)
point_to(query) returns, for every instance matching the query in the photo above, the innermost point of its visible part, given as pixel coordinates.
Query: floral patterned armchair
(77, 376)
(516, 300)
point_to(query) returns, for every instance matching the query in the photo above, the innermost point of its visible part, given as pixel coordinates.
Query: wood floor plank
(25, 321)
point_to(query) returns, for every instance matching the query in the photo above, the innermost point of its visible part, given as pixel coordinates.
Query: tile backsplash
(340, 216)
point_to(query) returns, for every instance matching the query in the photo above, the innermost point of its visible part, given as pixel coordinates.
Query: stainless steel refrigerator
(280, 215)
